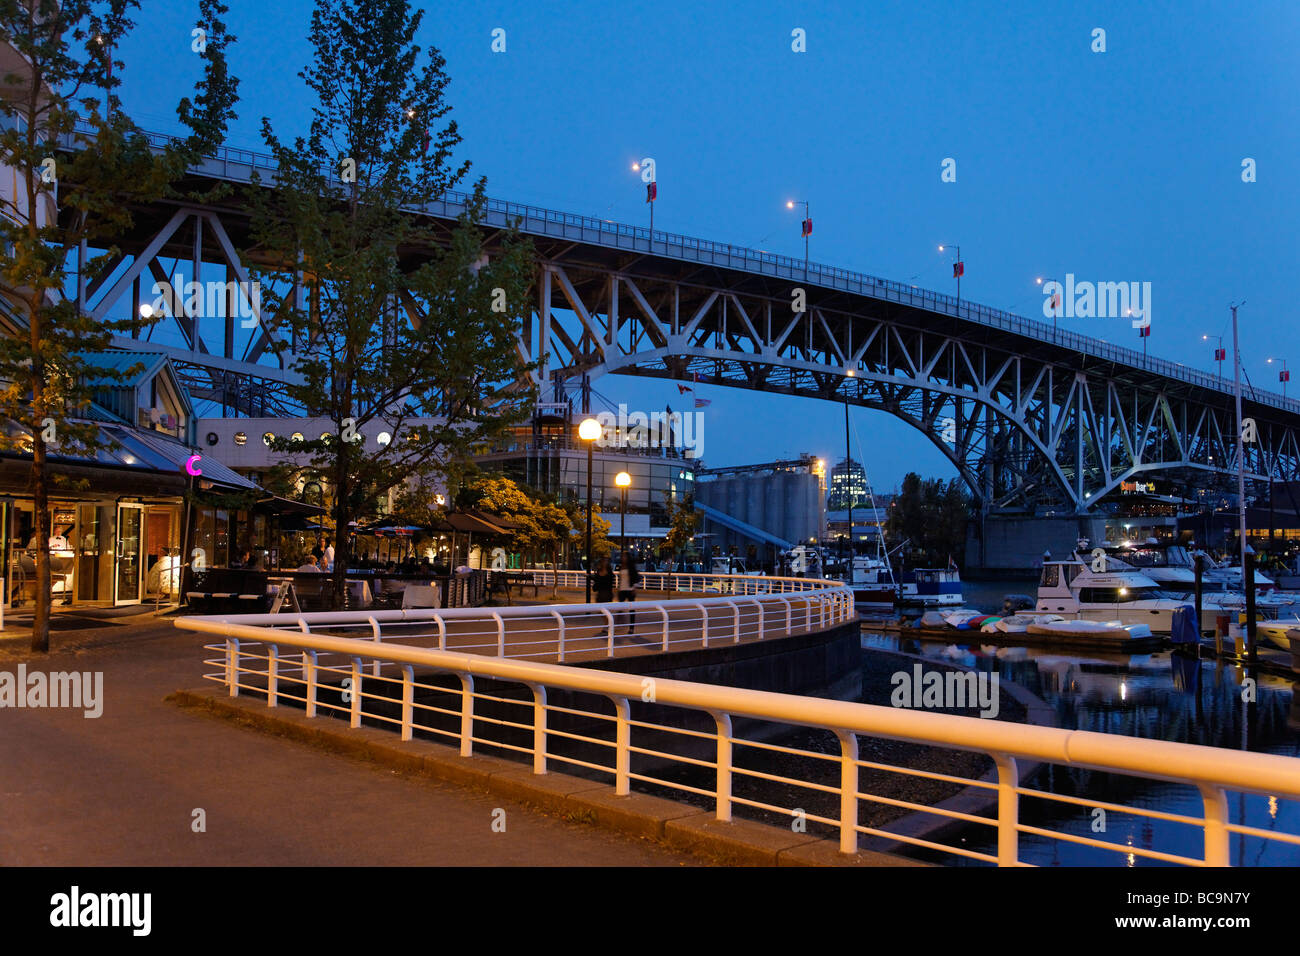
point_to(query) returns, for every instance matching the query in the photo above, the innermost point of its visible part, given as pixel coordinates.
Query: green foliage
(683, 521)
(79, 168)
(402, 320)
(931, 516)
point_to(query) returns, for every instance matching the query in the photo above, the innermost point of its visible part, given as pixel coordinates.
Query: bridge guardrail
(232, 163)
(308, 669)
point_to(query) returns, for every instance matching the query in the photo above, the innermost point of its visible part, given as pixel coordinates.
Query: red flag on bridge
(805, 229)
(651, 192)
(683, 389)
(1055, 302)
(1220, 355)
(1284, 376)
(958, 270)
(1144, 332)
(703, 402)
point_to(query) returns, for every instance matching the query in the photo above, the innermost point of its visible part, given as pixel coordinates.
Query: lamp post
(1056, 299)
(805, 229)
(848, 471)
(589, 431)
(623, 480)
(958, 270)
(1283, 376)
(1219, 353)
(648, 171)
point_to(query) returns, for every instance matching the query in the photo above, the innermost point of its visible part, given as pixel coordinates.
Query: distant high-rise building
(848, 486)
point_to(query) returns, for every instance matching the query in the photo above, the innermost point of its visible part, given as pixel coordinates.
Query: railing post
(664, 611)
(354, 719)
(789, 615)
(622, 747)
(466, 714)
(272, 675)
(735, 622)
(442, 632)
(723, 722)
(1217, 845)
(1008, 810)
(761, 624)
(309, 676)
(539, 728)
(374, 627)
(609, 619)
(704, 625)
(232, 666)
(807, 607)
(848, 791)
(408, 700)
(501, 634)
(559, 624)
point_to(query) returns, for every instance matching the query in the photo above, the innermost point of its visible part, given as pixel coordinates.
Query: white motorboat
(1278, 632)
(1090, 629)
(1074, 590)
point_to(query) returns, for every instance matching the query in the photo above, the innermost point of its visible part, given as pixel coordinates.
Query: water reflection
(1164, 696)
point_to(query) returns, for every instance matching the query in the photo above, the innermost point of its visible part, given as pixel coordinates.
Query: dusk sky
(1124, 165)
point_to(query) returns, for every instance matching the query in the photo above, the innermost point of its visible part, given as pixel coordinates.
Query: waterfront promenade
(122, 789)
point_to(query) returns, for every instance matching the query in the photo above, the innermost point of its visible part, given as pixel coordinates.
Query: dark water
(1163, 696)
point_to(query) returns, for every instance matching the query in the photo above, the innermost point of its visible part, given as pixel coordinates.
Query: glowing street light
(589, 431)
(958, 269)
(1056, 297)
(1219, 353)
(1283, 376)
(624, 481)
(805, 230)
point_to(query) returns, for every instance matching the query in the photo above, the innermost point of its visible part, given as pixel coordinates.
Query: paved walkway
(121, 789)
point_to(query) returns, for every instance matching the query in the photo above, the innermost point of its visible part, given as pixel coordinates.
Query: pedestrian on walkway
(602, 582)
(629, 579)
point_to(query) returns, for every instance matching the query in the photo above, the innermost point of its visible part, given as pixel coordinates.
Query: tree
(78, 173)
(683, 521)
(409, 329)
(931, 516)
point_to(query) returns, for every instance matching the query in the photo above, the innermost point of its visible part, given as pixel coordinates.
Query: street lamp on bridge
(1283, 376)
(589, 431)
(805, 230)
(1219, 353)
(958, 269)
(1056, 297)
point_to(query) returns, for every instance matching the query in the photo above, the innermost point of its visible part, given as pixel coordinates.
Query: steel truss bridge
(1032, 417)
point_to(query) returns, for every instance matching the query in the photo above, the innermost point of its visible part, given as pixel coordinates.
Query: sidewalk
(121, 789)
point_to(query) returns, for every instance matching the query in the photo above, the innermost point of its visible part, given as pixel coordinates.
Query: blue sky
(1117, 166)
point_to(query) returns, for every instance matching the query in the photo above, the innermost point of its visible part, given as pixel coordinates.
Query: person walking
(327, 561)
(629, 579)
(602, 582)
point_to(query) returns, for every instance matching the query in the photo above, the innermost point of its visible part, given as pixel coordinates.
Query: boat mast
(1241, 445)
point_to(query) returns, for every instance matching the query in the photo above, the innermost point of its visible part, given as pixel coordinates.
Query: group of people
(628, 579)
(321, 557)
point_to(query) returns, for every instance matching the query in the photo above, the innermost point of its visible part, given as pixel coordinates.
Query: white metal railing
(383, 687)
(729, 608)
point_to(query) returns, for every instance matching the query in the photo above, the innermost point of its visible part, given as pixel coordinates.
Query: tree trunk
(342, 544)
(41, 506)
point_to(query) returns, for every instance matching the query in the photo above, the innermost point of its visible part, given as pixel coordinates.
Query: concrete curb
(678, 825)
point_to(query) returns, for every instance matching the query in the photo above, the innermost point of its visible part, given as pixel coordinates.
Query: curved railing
(682, 736)
(729, 608)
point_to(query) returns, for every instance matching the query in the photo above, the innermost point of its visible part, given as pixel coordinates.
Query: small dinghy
(1089, 630)
(958, 618)
(1019, 623)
